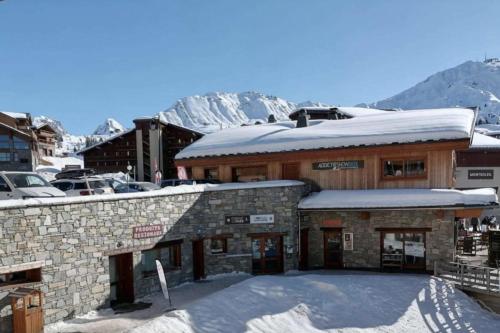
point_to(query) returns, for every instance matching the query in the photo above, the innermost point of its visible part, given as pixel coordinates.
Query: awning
(399, 199)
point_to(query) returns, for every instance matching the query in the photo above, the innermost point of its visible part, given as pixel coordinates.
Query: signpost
(250, 219)
(262, 219)
(481, 174)
(163, 282)
(147, 231)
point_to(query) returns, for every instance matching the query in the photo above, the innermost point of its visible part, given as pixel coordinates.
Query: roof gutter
(492, 205)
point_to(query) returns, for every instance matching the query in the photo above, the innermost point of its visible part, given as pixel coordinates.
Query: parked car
(24, 185)
(137, 187)
(78, 186)
(177, 182)
(75, 173)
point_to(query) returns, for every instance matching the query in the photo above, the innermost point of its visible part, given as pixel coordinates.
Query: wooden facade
(438, 158)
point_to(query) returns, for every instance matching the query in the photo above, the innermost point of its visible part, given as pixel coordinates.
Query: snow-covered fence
(469, 277)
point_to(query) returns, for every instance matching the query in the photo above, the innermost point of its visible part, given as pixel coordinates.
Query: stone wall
(72, 240)
(366, 240)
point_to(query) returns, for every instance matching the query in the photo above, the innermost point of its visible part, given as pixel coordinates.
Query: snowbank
(330, 303)
(183, 189)
(398, 198)
(378, 129)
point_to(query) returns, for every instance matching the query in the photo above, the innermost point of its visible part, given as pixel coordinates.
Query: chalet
(382, 182)
(151, 144)
(18, 145)
(46, 140)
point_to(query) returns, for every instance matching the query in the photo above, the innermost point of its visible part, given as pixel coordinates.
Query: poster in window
(348, 241)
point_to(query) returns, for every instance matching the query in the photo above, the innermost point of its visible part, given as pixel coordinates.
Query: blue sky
(83, 61)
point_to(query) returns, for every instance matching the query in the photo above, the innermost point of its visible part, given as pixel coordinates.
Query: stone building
(86, 253)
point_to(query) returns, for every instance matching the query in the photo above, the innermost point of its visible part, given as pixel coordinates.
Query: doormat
(130, 307)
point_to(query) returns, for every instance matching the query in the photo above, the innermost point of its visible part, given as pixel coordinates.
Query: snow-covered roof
(360, 112)
(398, 198)
(15, 115)
(484, 141)
(378, 129)
(174, 190)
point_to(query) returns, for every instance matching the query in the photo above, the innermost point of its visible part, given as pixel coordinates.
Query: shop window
(4, 157)
(212, 173)
(218, 245)
(401, 168)
(21, 277)
(168, 253)
(403, 249)
(250, 174)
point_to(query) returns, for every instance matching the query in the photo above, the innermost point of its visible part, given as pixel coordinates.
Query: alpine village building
(150, 146)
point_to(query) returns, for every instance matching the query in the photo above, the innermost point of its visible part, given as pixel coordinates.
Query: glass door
(404, 249)
(267, 255)
(332, 248)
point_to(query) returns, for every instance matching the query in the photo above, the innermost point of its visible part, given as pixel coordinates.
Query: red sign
(147, 231)
(331, 224)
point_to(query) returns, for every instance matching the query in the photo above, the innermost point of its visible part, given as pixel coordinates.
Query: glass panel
(271, 247)
(393, 168)
(393, 243)
(333, 248)
(415, 168)
(256, 248)
(251, 174)
(5, 157)
(4, 141)
(217, 245)
(26, 180)
(148, 260)
(20, 144)
(414, 249)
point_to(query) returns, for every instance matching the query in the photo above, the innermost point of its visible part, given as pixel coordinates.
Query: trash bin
(27, 310)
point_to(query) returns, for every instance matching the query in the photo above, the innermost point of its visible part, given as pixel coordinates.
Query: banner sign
(163, 281)
(262, 219)
(237, 219)
(338, 165)
(348, 241)
(147, 231)
(481, 174)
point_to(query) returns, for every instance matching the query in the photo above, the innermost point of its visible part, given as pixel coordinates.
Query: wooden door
(124, 281)
(332, 242)
(198, 260)
(291, 171)
(304, 249)
(267, 254)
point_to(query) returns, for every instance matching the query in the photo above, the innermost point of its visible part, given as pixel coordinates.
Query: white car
(80, 186)
(25, 185)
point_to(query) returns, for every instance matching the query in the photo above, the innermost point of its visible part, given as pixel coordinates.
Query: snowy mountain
(109, 127)
(213, 111)
(55, 124)
(470, 84)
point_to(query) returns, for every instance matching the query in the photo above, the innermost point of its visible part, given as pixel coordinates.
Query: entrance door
(121, 270)
(304, 249)
(291, 171)
(332, 242)
(198, 260)
(267, 254)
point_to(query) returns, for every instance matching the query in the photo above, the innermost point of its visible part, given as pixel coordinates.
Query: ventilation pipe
(303, 119)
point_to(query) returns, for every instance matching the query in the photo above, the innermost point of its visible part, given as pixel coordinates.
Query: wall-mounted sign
(481, 174)
(237, 219)
(262, 219)
(348, 241)
(331, 224)
(338, 165)
(147, 231)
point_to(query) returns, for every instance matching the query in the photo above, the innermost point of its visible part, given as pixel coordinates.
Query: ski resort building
(150, 145)
(382, 182)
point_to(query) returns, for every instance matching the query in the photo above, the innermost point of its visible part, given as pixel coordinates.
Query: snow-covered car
(137, 187)
(25, 185)
(74, 187)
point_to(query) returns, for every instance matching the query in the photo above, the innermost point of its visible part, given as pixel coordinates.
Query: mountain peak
(109, 127)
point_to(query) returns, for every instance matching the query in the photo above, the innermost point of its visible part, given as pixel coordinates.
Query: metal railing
(464, 276)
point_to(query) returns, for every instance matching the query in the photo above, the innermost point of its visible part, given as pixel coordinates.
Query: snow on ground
(56, 165)
(330, 303)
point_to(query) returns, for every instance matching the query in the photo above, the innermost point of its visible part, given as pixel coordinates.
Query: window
(250, 174)
(404, 168)
(168, 253)
(26, 180)
(218, 245)
(63, 186)
(3, 186)
(403, 249)
(4, 157)
(20, 277)
(211, 173)
(4, 141)
(20, 144)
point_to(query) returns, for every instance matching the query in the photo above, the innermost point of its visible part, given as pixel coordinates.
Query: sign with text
(147, 231)
(331, 223)
(338, 165)
(262, 219)
(481, 174)
(237, 219)
(348, 241)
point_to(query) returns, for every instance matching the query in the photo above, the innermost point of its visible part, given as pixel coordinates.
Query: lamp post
(129, 168)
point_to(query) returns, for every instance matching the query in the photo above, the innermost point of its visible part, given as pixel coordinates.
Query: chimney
(271, 119)
(303, 119)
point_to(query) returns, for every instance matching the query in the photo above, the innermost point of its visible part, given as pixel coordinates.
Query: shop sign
(481, 174)
(237, 219)
(338, 165)
(348, 241)
(331, 223)
(147, 231)
(262, 219)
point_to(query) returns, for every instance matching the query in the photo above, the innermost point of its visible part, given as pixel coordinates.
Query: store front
(267, 254)
(402, 249)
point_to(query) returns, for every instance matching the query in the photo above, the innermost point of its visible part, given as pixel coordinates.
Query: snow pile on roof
(483, 141)
(330, 303)
(360, 112)
(379, 129)
(182, 189)
(398, 198)
(16, 115)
